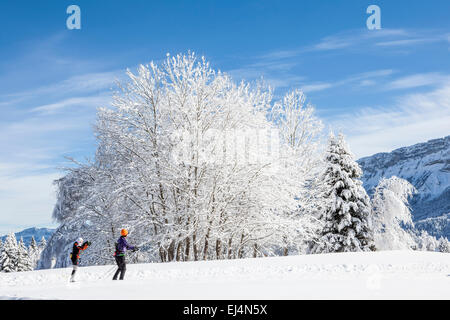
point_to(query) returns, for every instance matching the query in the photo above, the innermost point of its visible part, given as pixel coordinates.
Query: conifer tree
(34, 252)
(9, 254)
(346, 212)
(1, 249)
(42, 244)
(444, 245)
(23, 259)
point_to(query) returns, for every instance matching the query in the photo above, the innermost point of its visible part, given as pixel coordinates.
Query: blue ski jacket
(122, 246)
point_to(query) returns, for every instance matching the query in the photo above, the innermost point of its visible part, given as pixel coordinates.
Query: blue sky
(383, 88)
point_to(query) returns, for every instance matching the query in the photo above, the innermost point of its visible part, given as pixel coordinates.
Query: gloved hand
(88, 243)
(135, 249)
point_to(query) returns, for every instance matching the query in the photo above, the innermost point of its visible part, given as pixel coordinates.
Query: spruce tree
(444, 245)
(346, 209)
(42, 244)
(1, 249)
(23, 259)
(34, 252)
(9, 254)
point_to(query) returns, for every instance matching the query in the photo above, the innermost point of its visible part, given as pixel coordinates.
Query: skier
(75, 255)
(121, 247)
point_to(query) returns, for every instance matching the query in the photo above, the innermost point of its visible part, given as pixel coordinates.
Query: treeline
(16, 256)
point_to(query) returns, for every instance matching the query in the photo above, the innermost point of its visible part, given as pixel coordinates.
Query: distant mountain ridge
(427, 167)
(27, 234)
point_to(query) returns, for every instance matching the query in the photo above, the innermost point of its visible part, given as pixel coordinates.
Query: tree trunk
(218, 249)
(194, 245)
(171, 251)
(230, 249)
(188, 249)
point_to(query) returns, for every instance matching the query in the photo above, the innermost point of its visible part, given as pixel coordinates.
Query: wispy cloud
(362, 39)
(317, 86)
(415, 39)
(342, 40)
(25, 199)
(417, 80)
(276, 74)
(361, 79)
(412, 118)
(49, 122)
(91, 101)
(277, 66)
(77, 85)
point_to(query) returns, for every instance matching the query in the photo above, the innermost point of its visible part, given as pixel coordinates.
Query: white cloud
(417, 80)
(403, 42)
(77, 85)
(92, 101)
(26, 201)
(317, 86)
(414, 118)
(414, 39)
(365, 78)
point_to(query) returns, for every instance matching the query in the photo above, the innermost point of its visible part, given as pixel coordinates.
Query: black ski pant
(75, 268)
(122, 267)
(75, 265)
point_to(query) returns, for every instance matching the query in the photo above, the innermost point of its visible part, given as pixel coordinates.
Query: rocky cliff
(427, 167)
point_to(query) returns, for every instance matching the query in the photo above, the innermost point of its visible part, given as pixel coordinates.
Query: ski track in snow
(377, 275)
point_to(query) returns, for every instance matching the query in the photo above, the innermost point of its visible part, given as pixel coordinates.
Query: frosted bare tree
(182, 161)
(392, 214)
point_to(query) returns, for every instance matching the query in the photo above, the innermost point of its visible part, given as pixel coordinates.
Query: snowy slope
(377, 275)
(427, 167)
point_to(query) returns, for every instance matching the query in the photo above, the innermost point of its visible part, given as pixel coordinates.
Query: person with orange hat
(121, 247)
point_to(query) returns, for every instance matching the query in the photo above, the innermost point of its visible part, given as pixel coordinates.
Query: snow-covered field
(378, 275)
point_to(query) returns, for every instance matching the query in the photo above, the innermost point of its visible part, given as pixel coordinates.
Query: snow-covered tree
(300, 135)
(34, 252)
(182, 161)
(299, 129)
(42, 243)
(1, 249)
(425, 241)
(23, 262)
(444, 245)
(392, 216)
(346, 210)
(9, 254)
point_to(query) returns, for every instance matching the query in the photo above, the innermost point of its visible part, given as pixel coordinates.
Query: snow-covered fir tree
(42, 244)
(392, 219)
(444, 245)
(23, 262)
(9, 254)
(34, 252)
(1, 249)
(346, 211)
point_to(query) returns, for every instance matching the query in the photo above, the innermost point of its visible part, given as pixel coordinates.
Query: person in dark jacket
(121, 247)
(78, 246)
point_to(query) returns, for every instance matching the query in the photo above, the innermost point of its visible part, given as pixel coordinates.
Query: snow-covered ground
(378, 275)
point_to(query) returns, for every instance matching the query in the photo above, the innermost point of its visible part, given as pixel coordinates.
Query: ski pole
(109, 272)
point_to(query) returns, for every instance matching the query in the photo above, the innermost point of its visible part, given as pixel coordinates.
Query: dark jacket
(122, 246)
(75, 255)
